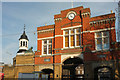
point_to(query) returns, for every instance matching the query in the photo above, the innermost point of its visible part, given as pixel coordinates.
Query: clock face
(71, 16)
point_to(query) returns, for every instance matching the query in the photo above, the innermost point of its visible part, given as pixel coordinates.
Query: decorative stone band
(50, 37)
(102, 20)
(47, 65)
(45, 38)
(56, 54)
(45, 30)
(105, 29)
(71, 27)
(29, 53)
(57, 19)
(24, 64)
(85, 13)
(58, 35)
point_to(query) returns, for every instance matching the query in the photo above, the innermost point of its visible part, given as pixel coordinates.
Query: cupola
(23, 42)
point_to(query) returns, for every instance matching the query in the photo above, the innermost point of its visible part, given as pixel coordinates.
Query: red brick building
(78, 46)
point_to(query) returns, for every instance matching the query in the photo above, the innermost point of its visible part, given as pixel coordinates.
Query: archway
(103, 73)
(47, 74)
(72, 69)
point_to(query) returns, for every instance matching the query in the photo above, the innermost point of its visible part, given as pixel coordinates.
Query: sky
(35, 14)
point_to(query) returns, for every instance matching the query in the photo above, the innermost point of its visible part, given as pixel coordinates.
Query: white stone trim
(85, 13)
(45, 38)
(70, 47)
(50, 37)
(71, 27)
(101, 20)
(67, 56)
(20, 53)
(70, 13)
(105, 29)
(57, 19)
(85, 31)
(26, 48)
(58, 35)
(24, 64)
(102, 29)
(45, 30)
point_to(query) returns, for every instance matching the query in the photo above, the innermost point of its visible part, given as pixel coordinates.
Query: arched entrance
(73, 69)
(47, 74)
(103, 73)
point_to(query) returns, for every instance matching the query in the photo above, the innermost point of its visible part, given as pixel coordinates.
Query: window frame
(47, 45)
(102, 37)
(74, 34)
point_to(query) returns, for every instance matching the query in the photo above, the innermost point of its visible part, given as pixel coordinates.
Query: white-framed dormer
(102, 40)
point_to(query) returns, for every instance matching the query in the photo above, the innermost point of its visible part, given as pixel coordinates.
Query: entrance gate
(73, 69)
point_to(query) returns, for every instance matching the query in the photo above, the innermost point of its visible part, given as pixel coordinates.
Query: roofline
(103, 15)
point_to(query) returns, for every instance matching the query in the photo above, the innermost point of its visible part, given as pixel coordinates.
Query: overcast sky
(35, 14)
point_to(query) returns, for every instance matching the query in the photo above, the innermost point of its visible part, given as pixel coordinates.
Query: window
(47, 47)
(46, 60)
(104, 74)
(26, 43)
(23, 43)
(72, 37)
(102, 40)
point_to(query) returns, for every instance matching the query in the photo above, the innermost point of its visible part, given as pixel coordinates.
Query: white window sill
(101, 50)
(71, 47)
(45, 55)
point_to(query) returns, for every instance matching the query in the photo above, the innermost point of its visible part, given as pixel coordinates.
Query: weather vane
(24, 27)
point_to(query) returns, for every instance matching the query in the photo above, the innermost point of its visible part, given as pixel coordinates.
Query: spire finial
(24, 27)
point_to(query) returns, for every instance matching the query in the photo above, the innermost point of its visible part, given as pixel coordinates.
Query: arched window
(103, 73)
(26, 43)
(21, 43)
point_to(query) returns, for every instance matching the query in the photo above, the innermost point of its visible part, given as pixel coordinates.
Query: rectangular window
(72, 40)
(47, 47)
(66, 41)
(78, 39)
(46, 60)
(102, 40)
(72, 37)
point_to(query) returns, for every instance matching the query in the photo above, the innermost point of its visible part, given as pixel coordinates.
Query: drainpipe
(82, 40)
(54, 53)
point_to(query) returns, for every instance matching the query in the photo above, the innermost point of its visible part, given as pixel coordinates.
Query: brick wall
(87, 51)
(8, 72)
(83, 18)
